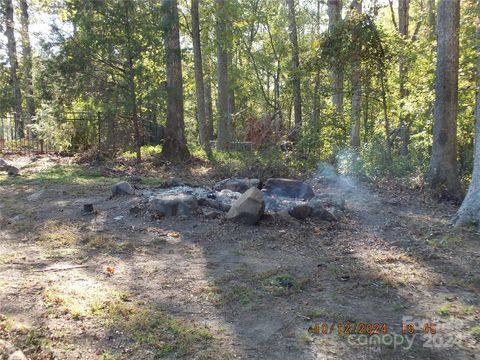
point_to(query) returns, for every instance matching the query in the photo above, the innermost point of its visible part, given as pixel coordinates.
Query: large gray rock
(248, 208)
(319, 211)
(122, 188)
(236, 185)
(173, 204)
(11, 170)
(288, 188)
(215, 204)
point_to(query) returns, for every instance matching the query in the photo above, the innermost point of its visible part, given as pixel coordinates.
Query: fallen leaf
(110, 270)
(317, 231)
(174, 234)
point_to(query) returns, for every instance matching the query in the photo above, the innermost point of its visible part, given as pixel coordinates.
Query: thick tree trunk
(334, 18)
(224, 119)
(315, 123)
(469, 212)
(297, 96)
(403, 19)
(12, 57)
(27, 60)
(175, 146)
(199, 86)
(443, 173)
(356, 86)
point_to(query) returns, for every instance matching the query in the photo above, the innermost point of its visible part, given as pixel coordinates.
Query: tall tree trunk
(334, 18)
(209, 106)
(316, 101)
(131, 82)
(27, 60)
(469, 212)
(443, 173)
(297, 96)
(403, 19)
(431, 18)
(356, 85)
(12, 57)
(199, 85)
(175, 146)
(224, 119)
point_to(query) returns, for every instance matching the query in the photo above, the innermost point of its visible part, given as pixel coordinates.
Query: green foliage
(48, 128)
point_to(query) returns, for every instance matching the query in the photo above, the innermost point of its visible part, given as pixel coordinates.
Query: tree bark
(175, 146)
(443, 173)
(12, 57)
(431, 18)
(209, 106)
(403, 20)
(334, 18)
(131, 83)
(27, 60)
(296, 90)
(469, 212)
(199, 85)
(223, 136)
(356, 85)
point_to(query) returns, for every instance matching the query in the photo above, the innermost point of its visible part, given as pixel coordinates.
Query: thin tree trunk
(27, 60)
(403, 20)
(209, 106)
(199, 85)
(131, 82)
(469, 212)
(12, 57)
(223, 136)
(316, 101)
(356, 86)
(175, 146)
(443, 173)
(431, 18)
(297, 96)
(334, 18)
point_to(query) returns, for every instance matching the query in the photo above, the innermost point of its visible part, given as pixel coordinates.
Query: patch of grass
(279, 282)
(101, 241)
(475, 331)
(444, 310)
(237, 293)
(446, 241)
(153, 327)
(55, 233)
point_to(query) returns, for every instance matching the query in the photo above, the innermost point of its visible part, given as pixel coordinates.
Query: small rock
(211, 214)
(248, 208)
(17, 355)
(284, 217)
(289, 188)
(236, 185)
(173, 204)
(36, 195)
(122, 188)
(300, 212)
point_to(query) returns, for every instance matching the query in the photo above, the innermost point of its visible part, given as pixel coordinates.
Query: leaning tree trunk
(403, 19)
(334, 18)
(356, 85)
(469, 212)
(443, 174)
(12, 57)
(199, 86)
(297, 96)
(175, 146)
(223, 136)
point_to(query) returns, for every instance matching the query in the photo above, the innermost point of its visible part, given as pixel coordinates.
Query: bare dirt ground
(115, 285)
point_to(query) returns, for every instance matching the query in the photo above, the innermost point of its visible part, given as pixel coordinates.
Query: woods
(239, 179)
